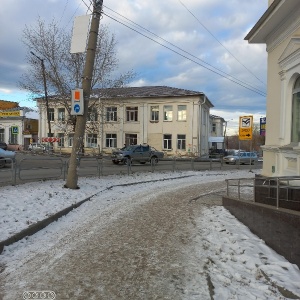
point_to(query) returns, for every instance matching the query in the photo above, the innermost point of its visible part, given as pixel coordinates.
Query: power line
(231, 78)
(63, 11)
(222, 44)
(225, 75)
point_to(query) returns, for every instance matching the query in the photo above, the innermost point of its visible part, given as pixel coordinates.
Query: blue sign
(77, 108)
(15, 129)
(263, 126)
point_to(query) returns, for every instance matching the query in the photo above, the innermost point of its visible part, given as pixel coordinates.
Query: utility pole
(46, 94)
(72, 177)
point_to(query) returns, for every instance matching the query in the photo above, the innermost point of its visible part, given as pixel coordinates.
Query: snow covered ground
(224, 260)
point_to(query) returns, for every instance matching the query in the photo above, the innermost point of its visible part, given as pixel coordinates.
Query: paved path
(140, 252)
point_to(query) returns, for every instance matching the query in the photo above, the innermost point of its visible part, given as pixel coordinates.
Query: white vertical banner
(80, 34)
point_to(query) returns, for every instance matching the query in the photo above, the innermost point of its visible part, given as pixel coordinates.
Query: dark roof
(144, 92)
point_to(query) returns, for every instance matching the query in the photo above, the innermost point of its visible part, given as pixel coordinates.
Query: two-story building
(169, 119)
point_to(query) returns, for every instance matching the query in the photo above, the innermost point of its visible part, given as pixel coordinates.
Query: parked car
(3, 146)
(140, 153)
(36, 147)
(241, 158)
(6, 157)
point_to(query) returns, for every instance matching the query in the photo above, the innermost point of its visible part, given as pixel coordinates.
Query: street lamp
(225, 135)
(46, 95)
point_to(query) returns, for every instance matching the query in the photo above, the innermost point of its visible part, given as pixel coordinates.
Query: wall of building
(146, 130)
(280, 158)
(279, 228)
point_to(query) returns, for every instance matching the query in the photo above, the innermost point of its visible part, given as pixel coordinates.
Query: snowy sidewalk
(168, 239)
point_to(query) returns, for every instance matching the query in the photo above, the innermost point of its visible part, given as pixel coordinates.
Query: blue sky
(211, 32)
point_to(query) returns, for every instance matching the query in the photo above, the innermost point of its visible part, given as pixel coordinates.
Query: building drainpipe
(200, 123)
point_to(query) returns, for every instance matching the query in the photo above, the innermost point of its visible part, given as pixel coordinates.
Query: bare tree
(63, 69)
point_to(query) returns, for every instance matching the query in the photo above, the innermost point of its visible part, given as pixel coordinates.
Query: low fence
(269, 206)
(46, 167)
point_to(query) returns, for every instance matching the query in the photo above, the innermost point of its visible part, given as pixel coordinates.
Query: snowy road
(161, 241)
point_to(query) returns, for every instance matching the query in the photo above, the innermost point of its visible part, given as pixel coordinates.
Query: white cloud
(229, 21)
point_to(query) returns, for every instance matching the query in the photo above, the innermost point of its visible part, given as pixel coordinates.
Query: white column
(282, 115)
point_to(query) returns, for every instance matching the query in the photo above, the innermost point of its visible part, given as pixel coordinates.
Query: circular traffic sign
(77, 108)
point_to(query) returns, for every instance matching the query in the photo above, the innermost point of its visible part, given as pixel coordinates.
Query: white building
(18, 126)
(169, 119)
(279, 29)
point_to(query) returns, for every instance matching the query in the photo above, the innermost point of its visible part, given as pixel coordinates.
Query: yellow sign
(245, 128)
(9, 114)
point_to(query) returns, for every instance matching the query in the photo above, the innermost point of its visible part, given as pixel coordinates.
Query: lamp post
(225, 135)
(46, 95)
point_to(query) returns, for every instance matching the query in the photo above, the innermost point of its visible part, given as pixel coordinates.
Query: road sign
(77, 104)
(245, 129)
(263, 122)
(50, 140)
(14, 129)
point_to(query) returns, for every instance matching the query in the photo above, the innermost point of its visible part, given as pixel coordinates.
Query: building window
(130, 139)
(91, 140)
(61, 114)
(2, 135)
(295, 135)
(61, 142)
(111, 114)
(214, 127)
(70, 139)
(181, 114)
(168, 113)
(132, 114)
(154, 113)
(168, 141)
(51, 114)
(111, 140)
(92, 114)
(181, 142)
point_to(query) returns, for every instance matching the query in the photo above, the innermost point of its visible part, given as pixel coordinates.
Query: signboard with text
(4, 114)
(245, 128)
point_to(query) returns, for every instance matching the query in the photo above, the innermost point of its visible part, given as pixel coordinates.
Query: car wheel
(115, 162)
(252, 162)
(154, 160)
(127, 160)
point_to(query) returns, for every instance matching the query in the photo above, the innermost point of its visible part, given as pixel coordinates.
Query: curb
(34, 228)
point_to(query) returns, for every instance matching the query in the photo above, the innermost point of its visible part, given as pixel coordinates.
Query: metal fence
(271, 190)
(45, 167)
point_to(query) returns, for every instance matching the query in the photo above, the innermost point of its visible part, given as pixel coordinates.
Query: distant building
(216, 139)
(18, 125)
(279, 29)
(169, 119)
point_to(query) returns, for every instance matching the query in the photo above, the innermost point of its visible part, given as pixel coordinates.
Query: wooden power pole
(72, 177)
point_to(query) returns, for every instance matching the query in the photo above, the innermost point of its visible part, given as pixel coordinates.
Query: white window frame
(168, 113)
(111, 140)
(181, 113)
(132, 113)
(154, 113)
(111, 114)
(167, 141)
(92, 140)
(181, 141)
